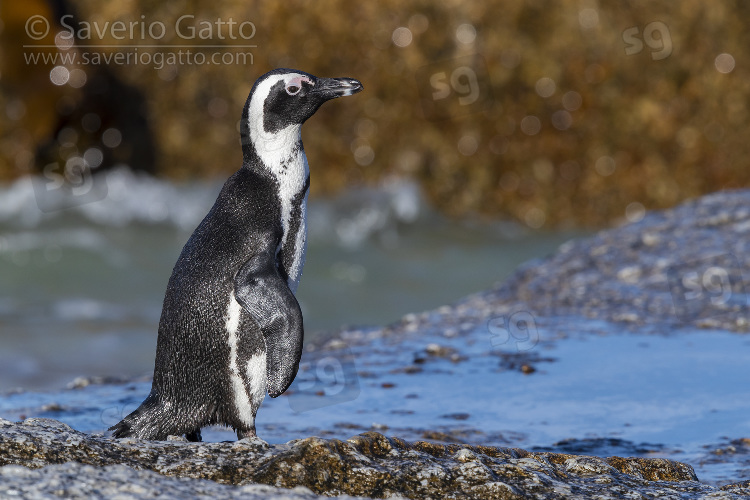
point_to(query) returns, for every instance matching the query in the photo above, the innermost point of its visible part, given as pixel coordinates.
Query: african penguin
(231, 327)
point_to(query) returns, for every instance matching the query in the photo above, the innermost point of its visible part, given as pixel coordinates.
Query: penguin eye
(294, 86)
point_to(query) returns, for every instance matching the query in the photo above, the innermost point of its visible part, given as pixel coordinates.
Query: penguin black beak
(331, 88)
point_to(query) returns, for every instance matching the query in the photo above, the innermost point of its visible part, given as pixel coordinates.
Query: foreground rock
(369, 464)
(76, 480)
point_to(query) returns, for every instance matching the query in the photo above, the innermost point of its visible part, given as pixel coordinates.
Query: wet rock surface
(367, 465)
(680, 266)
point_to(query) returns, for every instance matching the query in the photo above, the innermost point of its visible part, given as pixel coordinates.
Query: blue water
(613, 391)
(82, 287)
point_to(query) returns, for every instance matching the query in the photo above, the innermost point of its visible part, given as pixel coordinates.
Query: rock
(76, 480)
(741, 488)
(691, 274)
(367, 465)
(679, 267)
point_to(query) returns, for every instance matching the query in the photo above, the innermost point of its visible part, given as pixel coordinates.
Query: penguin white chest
(293, 180)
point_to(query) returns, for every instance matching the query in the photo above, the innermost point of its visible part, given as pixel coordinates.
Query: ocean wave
(81, 238)
(127, 197)
(350, 218)
(88, 309)
(359, 214)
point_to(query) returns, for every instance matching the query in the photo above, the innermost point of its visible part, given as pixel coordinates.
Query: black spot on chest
(293, 159)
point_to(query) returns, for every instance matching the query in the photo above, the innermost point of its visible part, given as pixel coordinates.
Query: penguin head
(280, 102)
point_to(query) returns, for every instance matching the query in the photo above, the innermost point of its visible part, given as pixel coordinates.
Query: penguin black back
(231, 328)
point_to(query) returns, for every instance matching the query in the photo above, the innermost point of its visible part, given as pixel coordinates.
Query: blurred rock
(684, 266)
(550, 114)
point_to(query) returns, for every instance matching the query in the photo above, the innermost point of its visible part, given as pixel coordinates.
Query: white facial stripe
(272, 148)
(241, 398)
(289, 165)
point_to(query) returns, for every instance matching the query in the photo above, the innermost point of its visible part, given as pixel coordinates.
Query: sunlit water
(82, 287)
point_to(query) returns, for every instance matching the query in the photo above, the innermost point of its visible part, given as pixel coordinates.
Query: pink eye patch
(294, 85)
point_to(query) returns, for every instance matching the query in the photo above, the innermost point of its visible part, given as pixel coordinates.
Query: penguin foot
(194, 437)
(246, 434)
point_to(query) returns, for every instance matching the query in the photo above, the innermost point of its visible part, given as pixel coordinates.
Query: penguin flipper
(265, 295)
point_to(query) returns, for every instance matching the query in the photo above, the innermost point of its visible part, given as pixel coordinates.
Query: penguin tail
(146, 422)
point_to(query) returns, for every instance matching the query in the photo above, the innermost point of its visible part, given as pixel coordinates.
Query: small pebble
(52, 407)
(457, 416)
